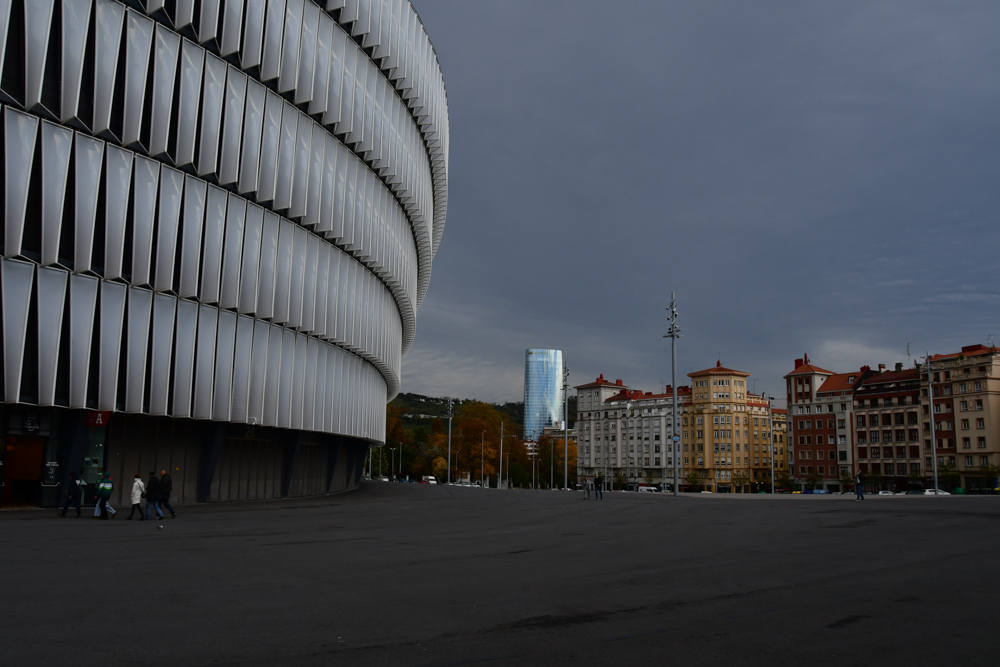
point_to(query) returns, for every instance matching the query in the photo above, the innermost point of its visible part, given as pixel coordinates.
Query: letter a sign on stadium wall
(98, 418)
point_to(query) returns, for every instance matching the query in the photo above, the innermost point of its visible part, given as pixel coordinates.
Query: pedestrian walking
(859, 486)
(73, 493)
(138, 491)
(598, 488)
(166, 486)
(586, 488)
(104, 489)
(153, 495)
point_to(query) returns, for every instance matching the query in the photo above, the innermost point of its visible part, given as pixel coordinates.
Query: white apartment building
(624, 435)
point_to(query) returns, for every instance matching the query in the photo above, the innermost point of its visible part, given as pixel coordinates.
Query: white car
(930, 492)
(886, 493)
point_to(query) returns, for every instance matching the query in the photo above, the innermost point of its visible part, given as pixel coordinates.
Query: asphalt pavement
(409, 574)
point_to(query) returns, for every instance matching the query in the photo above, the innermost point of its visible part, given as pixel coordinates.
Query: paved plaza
(408, 574)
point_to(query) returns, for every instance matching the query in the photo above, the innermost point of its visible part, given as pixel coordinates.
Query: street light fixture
(673, 333)
(449, 441)
(392, 459)
(566, 427)
(770, 437)
(930, 409)
(482, 459)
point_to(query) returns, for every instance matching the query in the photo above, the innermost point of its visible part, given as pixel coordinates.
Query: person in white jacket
(138, 491)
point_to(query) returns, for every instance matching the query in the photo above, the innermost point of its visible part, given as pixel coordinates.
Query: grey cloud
(798, 172)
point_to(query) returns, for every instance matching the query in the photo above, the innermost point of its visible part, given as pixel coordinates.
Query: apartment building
(765, 423)
(886, 412)
(725, 431)
(624, 434)
(644, 431)
(820, 426)
(597, 428)
(966, 414)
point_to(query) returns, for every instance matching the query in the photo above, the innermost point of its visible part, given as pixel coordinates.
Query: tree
(741, 479)
(813, 480)
(762, 479)
(846, 480)
(782, 481)
(990, 471)
(440, 468)
(874, 479)
(550, 460)
(692, 478)
(948, 476)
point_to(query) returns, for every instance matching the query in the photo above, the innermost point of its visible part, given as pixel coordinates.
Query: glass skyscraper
(543, 391)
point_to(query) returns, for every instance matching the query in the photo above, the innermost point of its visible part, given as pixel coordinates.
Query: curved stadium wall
(219, 222)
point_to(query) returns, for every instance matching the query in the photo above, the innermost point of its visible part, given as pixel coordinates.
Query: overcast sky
(819, 177)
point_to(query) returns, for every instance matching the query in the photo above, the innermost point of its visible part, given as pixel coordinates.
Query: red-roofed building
(594, 436)
(716, 431)
(623, 435)
(886, 414)
(966, 401)
(820, 408)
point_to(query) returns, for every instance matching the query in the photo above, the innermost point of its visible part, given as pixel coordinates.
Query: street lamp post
(770, 439)
(392, 459)
(630, 465)
(930, 409)
(500, 466)
(482, 459)
(401, 460)
(673, 333)
(449, 441)
(566, 427)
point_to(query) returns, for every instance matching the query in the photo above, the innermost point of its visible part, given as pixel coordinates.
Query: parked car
(930, 492)
(649, 489)
(886, 493)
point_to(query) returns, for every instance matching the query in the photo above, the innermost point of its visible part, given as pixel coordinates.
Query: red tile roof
(892, 376)
(967, 351)
(718, 370)
(639, 395)
(809, 369)
(838, 382)
(600, 382)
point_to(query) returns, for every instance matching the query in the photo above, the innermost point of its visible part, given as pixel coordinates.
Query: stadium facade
(219, 222)
(543, 391)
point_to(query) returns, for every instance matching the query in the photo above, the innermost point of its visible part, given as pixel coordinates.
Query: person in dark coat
(153, 495)
(73, 493)
(166, 486)
(598, 490)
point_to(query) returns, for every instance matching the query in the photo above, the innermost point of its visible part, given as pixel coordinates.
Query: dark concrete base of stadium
(434, 575)
(208, 461)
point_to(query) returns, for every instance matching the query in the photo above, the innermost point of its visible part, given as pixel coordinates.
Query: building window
(968, 461)
(966, 443)
(982, 443)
